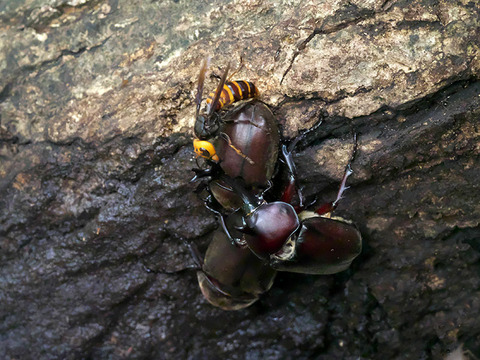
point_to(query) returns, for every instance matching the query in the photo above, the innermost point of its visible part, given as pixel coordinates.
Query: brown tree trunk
(96, 117)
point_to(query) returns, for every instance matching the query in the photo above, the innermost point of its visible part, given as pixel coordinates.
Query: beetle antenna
(216, 98)
(201, 81)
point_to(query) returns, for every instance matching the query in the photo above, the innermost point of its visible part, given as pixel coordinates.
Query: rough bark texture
(96, 116)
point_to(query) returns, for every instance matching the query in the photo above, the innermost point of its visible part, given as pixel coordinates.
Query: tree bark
(96, 117)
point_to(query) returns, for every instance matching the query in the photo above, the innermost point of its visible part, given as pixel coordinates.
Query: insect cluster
(260, 233)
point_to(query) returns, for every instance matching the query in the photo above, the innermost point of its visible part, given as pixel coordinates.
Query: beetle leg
(269, 185)
(195, 253)
(201, 187)
(291, 189)
(201, 173)
(210, 205)
(287, 153)
(303, 135)
(234, 240)
(250, 200)
(355, 146)
(330, 206)
(343, 187)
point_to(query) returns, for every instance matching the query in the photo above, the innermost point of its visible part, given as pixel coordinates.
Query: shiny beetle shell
(247, 145)
(323, 246)
(233, 278)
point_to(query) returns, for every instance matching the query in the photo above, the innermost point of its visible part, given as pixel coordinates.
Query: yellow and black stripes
(233, 91)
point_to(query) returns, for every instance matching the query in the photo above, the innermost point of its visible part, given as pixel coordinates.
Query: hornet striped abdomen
(208, 124)
(232, 91)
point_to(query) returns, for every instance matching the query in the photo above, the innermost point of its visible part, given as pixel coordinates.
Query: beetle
(232, 277)
(261, 238)
(244, 142)
(293, 239)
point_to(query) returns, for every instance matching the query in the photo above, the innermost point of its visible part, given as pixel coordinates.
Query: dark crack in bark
(327, 28)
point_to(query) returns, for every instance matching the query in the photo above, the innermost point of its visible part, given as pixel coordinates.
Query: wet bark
(96, 117)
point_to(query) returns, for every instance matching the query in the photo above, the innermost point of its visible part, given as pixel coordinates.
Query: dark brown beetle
(244, 142)
(259, 237)
(262, 237)
(232, 277)
(292, 239)
(241, 143)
